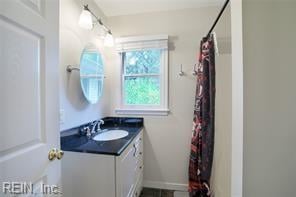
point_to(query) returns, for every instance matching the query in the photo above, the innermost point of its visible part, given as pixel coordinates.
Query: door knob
(55, 154)
(60, 154)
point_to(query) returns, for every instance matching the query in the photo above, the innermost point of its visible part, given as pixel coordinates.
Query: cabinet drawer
(139, 139)
(138, 148)
(139, 161)
(138, 185)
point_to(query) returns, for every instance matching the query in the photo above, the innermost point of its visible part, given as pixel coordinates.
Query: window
(144, 86)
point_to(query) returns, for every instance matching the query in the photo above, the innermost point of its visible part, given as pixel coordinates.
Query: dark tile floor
(149, 192)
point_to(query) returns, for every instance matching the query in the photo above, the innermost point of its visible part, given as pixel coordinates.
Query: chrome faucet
(97, 123)
(101, 122)
(87, 131)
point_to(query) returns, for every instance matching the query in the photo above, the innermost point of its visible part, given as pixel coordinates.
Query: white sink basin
(111, 135)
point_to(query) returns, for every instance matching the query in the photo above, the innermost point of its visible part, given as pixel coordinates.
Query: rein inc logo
(17, 188)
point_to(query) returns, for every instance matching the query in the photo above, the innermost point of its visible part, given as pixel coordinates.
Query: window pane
(142, 62)
(142, 90)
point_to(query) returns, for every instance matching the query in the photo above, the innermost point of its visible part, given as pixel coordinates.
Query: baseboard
(165, 185)
(234, 195)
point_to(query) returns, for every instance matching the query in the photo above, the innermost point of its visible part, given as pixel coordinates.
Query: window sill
(148, 112)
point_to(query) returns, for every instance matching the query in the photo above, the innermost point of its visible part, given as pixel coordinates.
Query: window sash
(161, 88)
(146, 109)
(141, 75)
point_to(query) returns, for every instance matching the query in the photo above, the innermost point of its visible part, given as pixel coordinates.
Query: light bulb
(109, 41)
(85, 20)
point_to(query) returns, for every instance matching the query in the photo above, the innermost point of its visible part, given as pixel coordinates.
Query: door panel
(22, 58)
(36, 5)
(29, 125)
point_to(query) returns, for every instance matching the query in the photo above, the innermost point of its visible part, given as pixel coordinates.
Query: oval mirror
(91, 73)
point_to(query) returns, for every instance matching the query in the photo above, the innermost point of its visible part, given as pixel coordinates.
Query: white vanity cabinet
(98, 175)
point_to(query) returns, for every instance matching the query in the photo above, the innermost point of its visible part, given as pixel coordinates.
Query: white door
(29, 125)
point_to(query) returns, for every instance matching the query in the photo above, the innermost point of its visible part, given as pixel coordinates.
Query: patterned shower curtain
(202, 142)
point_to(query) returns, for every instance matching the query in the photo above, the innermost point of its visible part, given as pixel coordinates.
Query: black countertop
(72, 140)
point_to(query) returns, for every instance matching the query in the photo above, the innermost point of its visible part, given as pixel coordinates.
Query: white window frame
(145, 43)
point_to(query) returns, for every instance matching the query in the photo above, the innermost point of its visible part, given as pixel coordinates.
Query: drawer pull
(135, 150)
(141, 167)
(140, 153)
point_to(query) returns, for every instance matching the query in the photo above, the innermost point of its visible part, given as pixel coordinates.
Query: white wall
(269, 103)
(237, 100)
(72, 41)
(167, 139)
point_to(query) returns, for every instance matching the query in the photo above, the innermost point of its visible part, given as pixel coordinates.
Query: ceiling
(129, 7)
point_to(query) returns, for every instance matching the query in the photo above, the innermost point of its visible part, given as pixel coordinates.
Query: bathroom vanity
(104, 168)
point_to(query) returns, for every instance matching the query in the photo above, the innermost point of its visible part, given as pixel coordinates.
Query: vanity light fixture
(86, 22)
(109, 41)
(85, 19)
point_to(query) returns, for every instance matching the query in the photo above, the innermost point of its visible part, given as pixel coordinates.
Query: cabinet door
(126, 166)
(88, 175)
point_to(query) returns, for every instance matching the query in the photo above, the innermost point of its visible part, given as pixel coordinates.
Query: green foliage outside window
(140, 89)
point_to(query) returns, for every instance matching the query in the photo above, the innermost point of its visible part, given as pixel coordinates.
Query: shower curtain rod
(218, 17)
